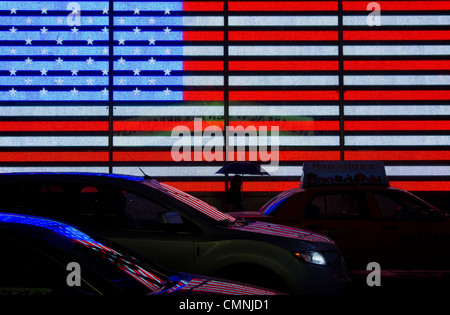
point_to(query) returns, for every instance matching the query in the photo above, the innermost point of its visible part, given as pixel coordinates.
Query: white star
(167, 72)
(75, 30)
(90, 41)
(137, 92)
(59, 81)
(12, 91)
(136, 51)
(105, 30)
(28, 20)
(121, 81)
(44, 71)
(59, 41)
(167, 30)
(59, 61)
(28, 61)
(13, 30)
(136, 11)
(105, 91)
(75, 51)
(167, 91)
(28, 81)
(167, 11)
(89, 81)
(44, 10)
(12, 51)
(151, 41)
(167, 51)
(137, 72)
(13, 10)
(105, 10)
(28, 41)
(151, 20)
(90, 61)
(74, 91)
(152, 81)
(44, 30)
(74, 72)
(121, 61)
(12, 71)
(152, 61)
(44, 91)
(121, 41)
(105, 51)
(90, 20)
(137, 30)
(59, 20)
(105, 72)
(121, 21)
(44, 51)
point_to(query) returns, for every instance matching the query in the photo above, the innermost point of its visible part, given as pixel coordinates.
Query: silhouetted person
(235, 197)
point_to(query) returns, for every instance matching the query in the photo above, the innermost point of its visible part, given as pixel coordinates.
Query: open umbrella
(242, 167)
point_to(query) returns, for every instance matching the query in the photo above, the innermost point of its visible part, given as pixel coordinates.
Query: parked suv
(179, 231)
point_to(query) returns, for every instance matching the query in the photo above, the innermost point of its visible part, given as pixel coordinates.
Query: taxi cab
(370, 221)
(180, 232)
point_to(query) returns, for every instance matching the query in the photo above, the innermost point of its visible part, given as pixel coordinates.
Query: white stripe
(202, 51)
(20, 169)
(53, 111)
(38, 141)
(396, 80)
(172, 111)
(386, 20)
(167, 141)
(275, 110)
(397, 140)
(283, 80)
(435, 170)
(391, 50)
(203, 80)
(396, 110)
(203, 21)
(283, 50)
(283, 20)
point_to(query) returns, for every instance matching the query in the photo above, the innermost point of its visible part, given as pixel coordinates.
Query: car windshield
(272, 204)
(199, 205)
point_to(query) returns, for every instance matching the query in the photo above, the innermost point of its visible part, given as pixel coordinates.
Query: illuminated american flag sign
(99, 85)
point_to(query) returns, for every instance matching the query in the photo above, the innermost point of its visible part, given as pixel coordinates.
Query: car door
(345, 217)
(131, 220)
(413, 234)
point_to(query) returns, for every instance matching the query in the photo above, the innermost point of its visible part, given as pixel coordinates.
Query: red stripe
(203, 35)
(283, 95)
(396, 35)
(283, 65)
(409, 155)
(202, 5)
(290, 125)
(283, 5)
(53, 156)
(397, 95)
(203, 65)
(53, 126)
(163, 125)
(397, 65)
(203, 96)
(266, 186)
(398, 5)
(282, 35)
(397, 125)
(422, 185)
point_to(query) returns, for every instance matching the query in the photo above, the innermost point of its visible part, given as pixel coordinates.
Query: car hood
(273, 229)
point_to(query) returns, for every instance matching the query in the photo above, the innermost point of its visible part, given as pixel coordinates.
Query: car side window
(398, 207)
(345, 205)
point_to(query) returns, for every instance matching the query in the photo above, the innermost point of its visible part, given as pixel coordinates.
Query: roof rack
(343, 172)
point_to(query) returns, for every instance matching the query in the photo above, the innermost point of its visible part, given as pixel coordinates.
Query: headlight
(311, 257)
